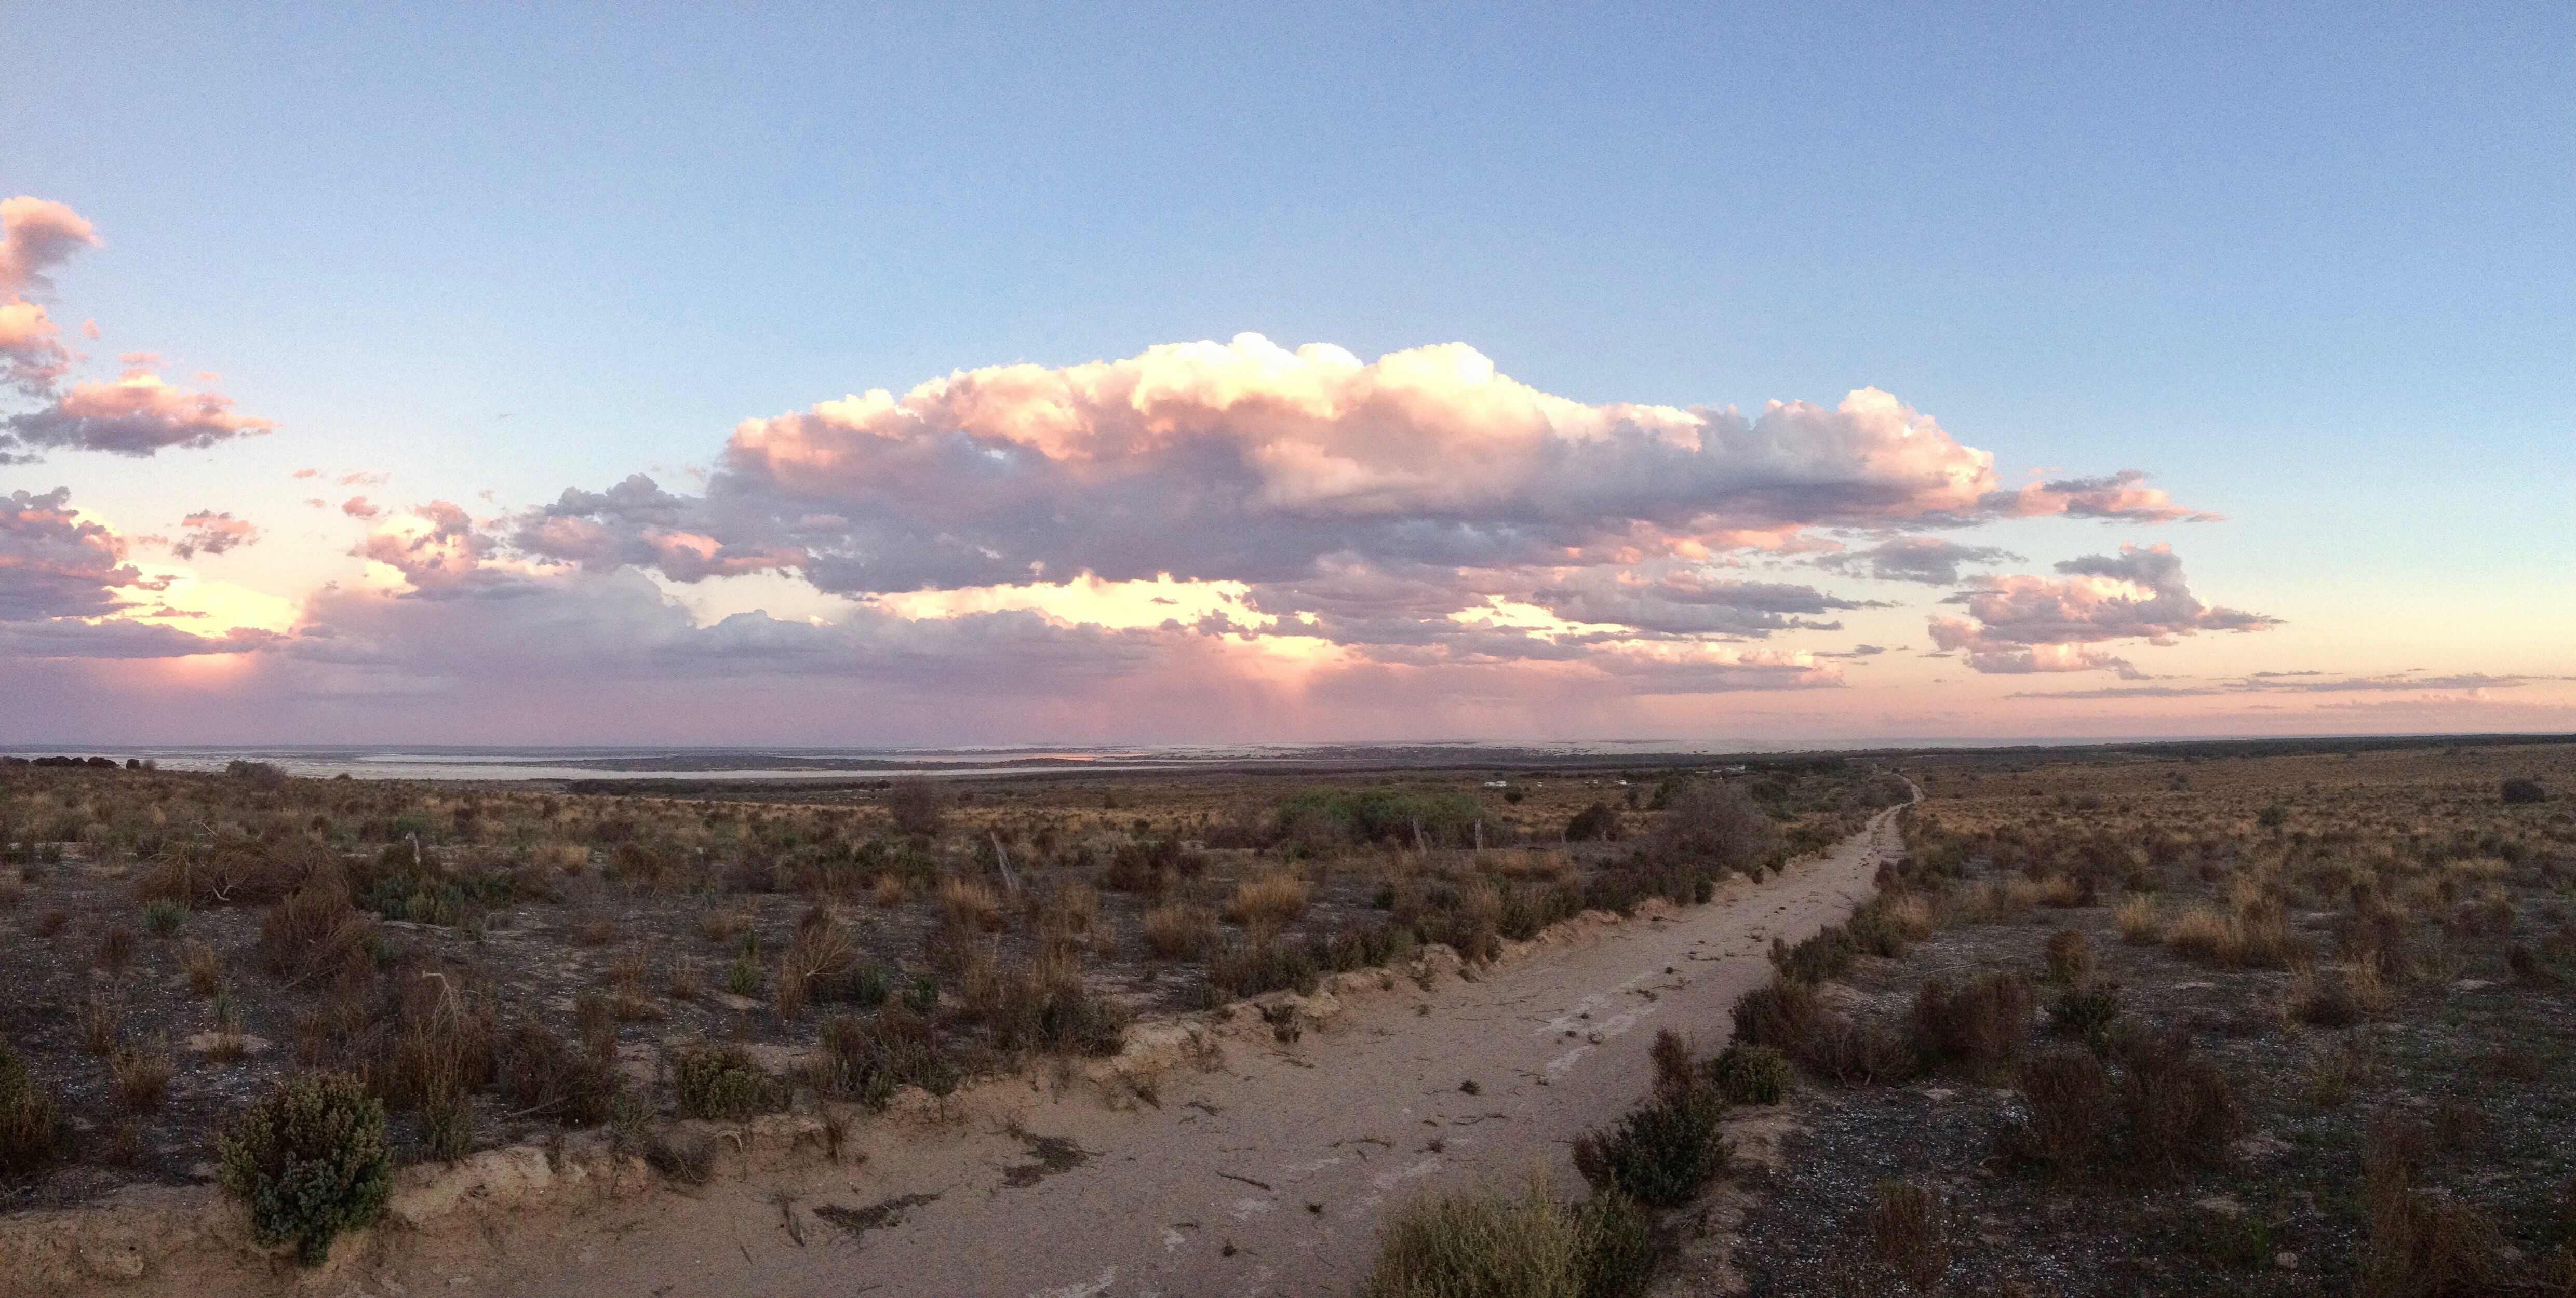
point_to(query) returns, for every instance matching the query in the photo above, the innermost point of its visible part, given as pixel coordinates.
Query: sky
(958, 374)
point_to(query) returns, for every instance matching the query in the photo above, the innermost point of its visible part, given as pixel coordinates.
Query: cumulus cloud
(208, 532)
(1392, 504)
(136, 415)
(358, 507)
(1245, 461)
(1930, 560)
(67, 590)
(2038, 624)
(442, 552)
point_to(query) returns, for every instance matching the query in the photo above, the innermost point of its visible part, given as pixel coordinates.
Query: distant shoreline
(641, 767)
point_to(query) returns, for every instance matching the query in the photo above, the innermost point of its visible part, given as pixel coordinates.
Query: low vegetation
(310, 1157)
(496, 963)
(2252, 1022)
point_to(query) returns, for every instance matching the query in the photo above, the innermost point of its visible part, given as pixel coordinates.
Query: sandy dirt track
(1267, 1175)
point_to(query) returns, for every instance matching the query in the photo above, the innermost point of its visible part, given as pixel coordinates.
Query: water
(639, 763)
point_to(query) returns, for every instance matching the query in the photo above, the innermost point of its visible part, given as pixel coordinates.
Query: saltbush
(1747, 1074)
(311, 1159)
(719, 1082)
(1662, 1152)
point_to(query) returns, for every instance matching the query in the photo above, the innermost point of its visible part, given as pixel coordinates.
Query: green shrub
(1482, 1244)
(2087, 1012)
(1318, 817)
(719, 1082)
(30, 1130)
(162, 917)
(1662, 1152)
(1620, 1246)
(1750, 1074)
(311, 1159)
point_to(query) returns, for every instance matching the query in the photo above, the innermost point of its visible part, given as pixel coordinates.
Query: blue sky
(2309, 265)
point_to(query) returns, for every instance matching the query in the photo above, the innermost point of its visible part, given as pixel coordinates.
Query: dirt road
(1267, 1175)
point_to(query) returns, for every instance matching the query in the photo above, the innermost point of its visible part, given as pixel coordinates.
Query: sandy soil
(1255, 1167)
(1266, 1175)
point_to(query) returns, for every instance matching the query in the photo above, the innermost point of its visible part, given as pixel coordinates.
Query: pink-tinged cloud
(2118, 497)
(32, 356)
(89, 330)
(358, 507)
(1426, 479)
(306, 473)
(54, 563)
(37, 235)
(210, 533)
(137, 415)
(1245, 461)
(64, 582)
(441, 552)
(2039, 624)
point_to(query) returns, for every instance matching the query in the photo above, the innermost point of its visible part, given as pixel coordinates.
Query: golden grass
(1910, 914)
(2139, 923)
(1274, 897)
(2261, 939)
(889, 891)
(204, 968)
(972, 902)
(1179, 931)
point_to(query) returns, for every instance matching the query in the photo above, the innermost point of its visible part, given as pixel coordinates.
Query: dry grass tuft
(315, 933)
(1910, 914)
(142, 1074)
(1273, 897)
(114, 951)
(2139, 923)
(1980, 1027)
(1909, 1230)
(1180, 931)
(973, 904)
(203, 967)
(101, 1020)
